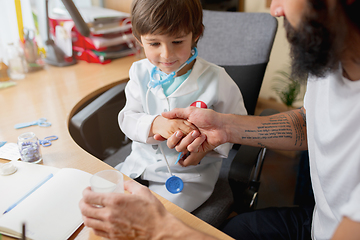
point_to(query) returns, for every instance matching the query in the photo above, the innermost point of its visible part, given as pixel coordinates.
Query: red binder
(101, 42)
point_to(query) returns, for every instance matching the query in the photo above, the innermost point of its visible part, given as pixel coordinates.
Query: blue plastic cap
(174, 184)
(2, 143)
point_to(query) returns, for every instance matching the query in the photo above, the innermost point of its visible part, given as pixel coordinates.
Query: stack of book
(110, 34)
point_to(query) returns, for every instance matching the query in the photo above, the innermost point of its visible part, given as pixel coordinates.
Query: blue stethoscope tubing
(173, 184)
(166, 78)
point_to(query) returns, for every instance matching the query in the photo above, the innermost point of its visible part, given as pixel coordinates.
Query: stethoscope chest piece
(174, 184)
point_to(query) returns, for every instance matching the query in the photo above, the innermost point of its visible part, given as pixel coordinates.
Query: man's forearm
(283, 131)
(173, 228)
(347, 229)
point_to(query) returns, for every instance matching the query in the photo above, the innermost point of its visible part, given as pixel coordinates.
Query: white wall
(279, 58)
(39, 6)
(8, 23)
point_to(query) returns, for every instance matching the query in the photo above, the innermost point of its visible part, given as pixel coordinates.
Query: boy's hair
(167, 17)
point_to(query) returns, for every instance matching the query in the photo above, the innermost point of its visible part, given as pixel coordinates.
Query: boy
(168, 30)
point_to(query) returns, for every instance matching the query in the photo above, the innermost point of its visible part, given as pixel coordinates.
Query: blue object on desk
(46, 142)
(41, 122)
(28, 194)
(2, 143)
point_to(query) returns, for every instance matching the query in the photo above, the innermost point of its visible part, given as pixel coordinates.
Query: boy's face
(168, 52)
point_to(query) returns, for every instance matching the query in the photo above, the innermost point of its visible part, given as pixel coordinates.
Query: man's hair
(167, 17)
(352, 12)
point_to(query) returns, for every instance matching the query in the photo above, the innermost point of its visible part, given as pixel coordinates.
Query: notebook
(51, 211)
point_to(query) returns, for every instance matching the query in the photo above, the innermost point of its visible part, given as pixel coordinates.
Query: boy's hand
(167, 127)
(212, 129)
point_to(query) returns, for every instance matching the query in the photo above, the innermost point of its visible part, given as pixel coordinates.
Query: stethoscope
(157, 74)
(173, 184)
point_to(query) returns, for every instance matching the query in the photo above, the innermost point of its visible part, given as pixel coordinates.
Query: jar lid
(27, 135)
(7, 168)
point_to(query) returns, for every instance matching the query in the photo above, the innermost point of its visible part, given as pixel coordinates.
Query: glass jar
(29, 148)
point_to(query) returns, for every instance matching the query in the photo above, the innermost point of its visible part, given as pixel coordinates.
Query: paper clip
(46, 142)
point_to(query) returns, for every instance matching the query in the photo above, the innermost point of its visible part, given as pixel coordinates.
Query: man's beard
(314, 48)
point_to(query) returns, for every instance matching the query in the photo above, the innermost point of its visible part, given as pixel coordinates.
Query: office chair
(241, 43)
(95, 127)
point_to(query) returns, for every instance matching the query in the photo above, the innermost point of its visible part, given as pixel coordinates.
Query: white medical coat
(207, 83)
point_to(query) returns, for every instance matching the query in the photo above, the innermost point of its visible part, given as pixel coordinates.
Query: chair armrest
(95, 128)
(244, 174)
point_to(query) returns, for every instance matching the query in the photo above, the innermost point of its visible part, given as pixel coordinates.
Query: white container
(29, 148)
(16, 62)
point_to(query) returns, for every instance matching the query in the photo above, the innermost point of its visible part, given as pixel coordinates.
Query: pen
(179, 156)
(30, 192)
(23, 237)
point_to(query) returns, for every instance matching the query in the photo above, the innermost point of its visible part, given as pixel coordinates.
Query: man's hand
(347, 229)
(138, 215)
(208, 122)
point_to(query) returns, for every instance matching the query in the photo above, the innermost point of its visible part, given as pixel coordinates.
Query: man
(324, 37)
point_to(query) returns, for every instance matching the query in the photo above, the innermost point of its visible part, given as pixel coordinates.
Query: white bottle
(16, 62)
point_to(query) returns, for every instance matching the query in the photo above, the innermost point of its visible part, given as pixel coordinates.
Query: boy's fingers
(158, 137)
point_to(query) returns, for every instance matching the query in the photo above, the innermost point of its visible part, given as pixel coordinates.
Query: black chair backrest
(241, 43)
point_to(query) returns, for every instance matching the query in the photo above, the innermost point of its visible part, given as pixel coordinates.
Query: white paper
(14, 186)
(52, 211)
(10, 151)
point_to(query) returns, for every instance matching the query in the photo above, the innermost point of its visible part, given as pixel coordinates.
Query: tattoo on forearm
(280, 126)
(298, 127)
(303, 115)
